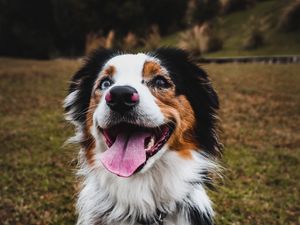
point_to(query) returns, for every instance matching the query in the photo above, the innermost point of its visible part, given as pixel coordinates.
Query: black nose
(122, 98)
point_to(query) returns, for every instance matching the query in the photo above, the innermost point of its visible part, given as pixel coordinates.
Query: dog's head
(135, 107)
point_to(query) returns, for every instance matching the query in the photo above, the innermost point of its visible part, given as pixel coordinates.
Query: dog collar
(158, 219)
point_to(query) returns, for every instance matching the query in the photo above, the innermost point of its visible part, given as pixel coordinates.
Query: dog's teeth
(151, 143)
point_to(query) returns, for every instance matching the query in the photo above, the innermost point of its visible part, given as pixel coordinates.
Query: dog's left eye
(160, 82)
(106, 83)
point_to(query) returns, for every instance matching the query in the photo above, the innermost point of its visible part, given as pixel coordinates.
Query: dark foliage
(289, 19)
(42, 29)
(26, 28)
(229, 6)
(205, 10)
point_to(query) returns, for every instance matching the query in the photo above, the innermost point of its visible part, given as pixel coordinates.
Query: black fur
(199, 218)
(195, 216)
(83, 81)
(190, 80)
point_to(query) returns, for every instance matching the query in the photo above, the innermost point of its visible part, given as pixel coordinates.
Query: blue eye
(106, 83)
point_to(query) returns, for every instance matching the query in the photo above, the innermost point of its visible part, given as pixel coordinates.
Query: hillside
(234, 28)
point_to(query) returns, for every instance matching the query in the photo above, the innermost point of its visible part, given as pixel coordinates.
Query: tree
(35, 28)
(204, 10)
(26, 28)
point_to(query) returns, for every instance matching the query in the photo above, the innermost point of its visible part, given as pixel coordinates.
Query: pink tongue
(126, 155)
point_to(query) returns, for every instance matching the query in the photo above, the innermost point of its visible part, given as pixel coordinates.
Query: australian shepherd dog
(146, 124)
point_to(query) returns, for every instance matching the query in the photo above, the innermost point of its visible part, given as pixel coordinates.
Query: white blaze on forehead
(129, 67)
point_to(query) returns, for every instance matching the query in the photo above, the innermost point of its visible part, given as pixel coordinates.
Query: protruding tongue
(126, 154)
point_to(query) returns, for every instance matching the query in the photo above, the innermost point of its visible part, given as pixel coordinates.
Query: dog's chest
(114, 200)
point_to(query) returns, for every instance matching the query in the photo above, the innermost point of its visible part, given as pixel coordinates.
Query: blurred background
(42, 44)
(52, 28)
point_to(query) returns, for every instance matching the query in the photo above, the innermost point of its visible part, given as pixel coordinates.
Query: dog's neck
(172, 187)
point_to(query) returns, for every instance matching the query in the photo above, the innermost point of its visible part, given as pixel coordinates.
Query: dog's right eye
(105, 83)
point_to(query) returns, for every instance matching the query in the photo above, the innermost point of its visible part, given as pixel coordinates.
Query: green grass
(233, 29)
(260, 119)
(36, 177)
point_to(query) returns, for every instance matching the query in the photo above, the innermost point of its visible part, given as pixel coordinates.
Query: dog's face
(135, 107)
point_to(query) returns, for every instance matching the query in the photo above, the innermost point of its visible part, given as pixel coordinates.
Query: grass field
(260, 119)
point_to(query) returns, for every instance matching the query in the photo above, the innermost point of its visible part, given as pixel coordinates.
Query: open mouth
(130, 146)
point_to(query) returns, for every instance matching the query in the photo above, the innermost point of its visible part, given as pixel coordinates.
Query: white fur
(69, 100)
(168, 182)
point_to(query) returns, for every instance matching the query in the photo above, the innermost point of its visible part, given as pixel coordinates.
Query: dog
(147, 126)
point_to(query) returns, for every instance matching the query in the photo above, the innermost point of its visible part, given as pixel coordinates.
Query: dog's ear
(193, 82)
(77, 102)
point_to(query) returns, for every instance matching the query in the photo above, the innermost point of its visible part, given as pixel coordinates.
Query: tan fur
(179, 110)
(151, 68)
(109, 71)
(176, 109)
(89, 141)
